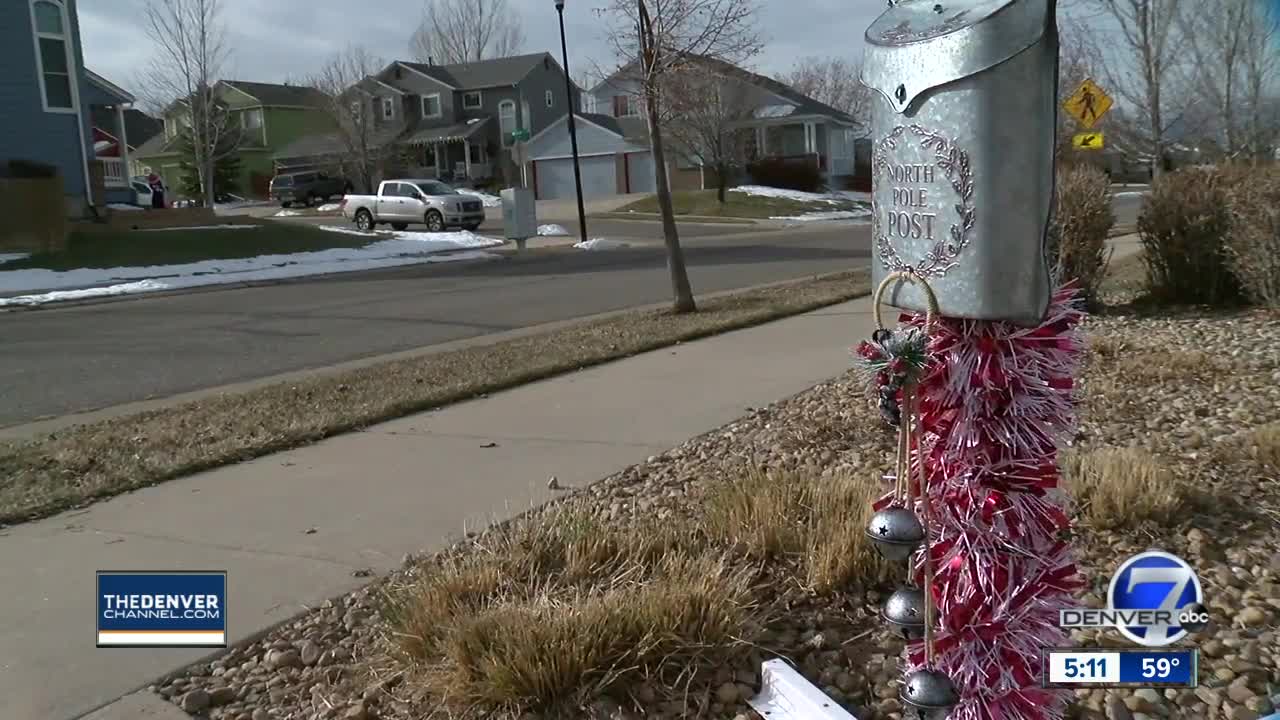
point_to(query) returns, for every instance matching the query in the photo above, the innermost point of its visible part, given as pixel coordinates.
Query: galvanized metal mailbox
(964, 113)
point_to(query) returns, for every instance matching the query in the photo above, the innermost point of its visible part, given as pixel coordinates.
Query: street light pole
(573, 133)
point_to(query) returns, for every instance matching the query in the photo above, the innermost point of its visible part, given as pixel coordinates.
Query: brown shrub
(1183, 226)
(800, 175)
(1253, 245)
(1082, 221)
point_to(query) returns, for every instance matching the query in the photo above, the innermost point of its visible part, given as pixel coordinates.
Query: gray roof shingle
(608, 123)
(483, 73)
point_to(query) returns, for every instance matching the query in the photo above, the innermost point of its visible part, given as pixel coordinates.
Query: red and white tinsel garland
(995, 401)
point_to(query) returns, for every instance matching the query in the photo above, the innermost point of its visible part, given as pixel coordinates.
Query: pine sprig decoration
(893, 358)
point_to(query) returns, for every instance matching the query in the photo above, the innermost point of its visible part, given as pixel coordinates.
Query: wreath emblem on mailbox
(956, 167)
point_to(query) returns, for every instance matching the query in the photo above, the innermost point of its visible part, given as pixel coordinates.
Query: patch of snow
(473, 121)
(601, 244)
(288, 213)
(783, 193)
(549, 230)
(329, 207)
(855, 195)
(774, 111)
(820, 216)
(10, 257)
(123, 206)
(1130, 193)
(200, 227)
(401, 248)
(489, 200)
(283, 270)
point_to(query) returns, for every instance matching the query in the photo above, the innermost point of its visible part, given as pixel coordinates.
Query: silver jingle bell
(930, 693)
(896, 533)
(905, 611)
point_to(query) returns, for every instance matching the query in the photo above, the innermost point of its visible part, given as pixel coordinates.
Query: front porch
(457, 154)
(828, 145)
(111, 167)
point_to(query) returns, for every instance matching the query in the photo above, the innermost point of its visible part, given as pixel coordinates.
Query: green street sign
(520, 135)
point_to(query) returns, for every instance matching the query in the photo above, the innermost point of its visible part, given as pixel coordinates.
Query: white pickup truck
(426, 202)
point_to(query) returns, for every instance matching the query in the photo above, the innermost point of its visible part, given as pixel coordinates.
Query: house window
(506, 120)
(431, 106)
(624, 106)
(471, 100)
(49, 20)
(477, 153)
(253, 118)
(388, 108)
(551, 99)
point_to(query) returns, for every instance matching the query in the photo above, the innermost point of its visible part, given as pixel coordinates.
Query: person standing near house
(156, 183)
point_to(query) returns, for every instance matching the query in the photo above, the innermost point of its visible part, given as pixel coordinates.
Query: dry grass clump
(1264, 446)
(1116, 487)
(564, 607)
(815, 522)
(1150, 365)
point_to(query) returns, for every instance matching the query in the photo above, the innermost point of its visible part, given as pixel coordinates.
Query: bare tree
(190, 52)
(1151, 39)
(1234, 62)
(657, 39)
(349, 109)
(461, 31)
(707, 109)
(834, 81)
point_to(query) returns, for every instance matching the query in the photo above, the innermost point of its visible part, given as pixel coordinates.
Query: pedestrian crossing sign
(1088, 104)
(1087, 141)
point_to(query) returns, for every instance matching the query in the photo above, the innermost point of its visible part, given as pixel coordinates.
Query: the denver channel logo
(1155, 599)
(162, 609)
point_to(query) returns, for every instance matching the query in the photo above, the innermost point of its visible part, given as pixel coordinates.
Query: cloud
(272, 41)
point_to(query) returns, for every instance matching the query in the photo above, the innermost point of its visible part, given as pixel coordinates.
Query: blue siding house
(47, 94)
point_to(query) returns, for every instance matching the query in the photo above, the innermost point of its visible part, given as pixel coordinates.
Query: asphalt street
(70, 359)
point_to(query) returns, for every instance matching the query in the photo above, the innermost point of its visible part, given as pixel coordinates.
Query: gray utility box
(519, 215)
(963, 116)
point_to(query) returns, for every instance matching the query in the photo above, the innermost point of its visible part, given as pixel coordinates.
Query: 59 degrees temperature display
(1137, 667)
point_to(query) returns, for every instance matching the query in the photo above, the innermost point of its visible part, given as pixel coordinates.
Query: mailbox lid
(918, 45)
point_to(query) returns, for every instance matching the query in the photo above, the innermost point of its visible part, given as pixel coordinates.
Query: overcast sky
(276, 39)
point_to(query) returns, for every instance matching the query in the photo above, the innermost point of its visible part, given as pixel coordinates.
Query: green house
(270, 117)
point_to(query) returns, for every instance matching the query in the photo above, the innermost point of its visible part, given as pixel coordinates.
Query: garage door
(640, 172)
(555, 177)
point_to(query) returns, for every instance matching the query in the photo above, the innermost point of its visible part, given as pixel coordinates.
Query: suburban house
(454, 122)
(780, 122)
(50, 100)
(266, 117)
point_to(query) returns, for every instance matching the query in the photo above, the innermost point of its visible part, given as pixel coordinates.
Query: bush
(1253, 245)
(30, 169)
(790, 174)
(1184, 225)
(1082, 221)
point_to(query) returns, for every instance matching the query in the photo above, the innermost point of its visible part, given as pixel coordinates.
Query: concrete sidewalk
(403, 486)
(290, 529)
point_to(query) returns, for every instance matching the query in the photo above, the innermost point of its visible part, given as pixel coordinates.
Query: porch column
(762, 135)
(439, 158)
(466, 158)
(124, 143)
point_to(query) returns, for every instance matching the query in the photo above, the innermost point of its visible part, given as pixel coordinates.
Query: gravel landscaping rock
(1187, 389)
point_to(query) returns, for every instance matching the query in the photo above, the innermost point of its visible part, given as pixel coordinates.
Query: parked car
(306, 187)
(402, 202)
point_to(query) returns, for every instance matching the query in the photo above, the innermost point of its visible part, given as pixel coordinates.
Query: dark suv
(306, 187)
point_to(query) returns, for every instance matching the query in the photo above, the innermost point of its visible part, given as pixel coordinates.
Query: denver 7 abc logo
(1155, 599)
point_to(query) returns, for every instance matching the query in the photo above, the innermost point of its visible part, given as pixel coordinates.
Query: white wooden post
(124, 144)
(466, 158)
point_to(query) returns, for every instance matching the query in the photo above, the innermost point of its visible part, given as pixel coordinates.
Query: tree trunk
(683, 294)
(722, 181)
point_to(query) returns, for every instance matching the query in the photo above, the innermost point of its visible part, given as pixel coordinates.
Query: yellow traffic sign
(1087, 141)
(1088, 104)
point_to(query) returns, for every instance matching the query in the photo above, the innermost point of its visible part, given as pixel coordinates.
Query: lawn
(142, 248)
(736, 204)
